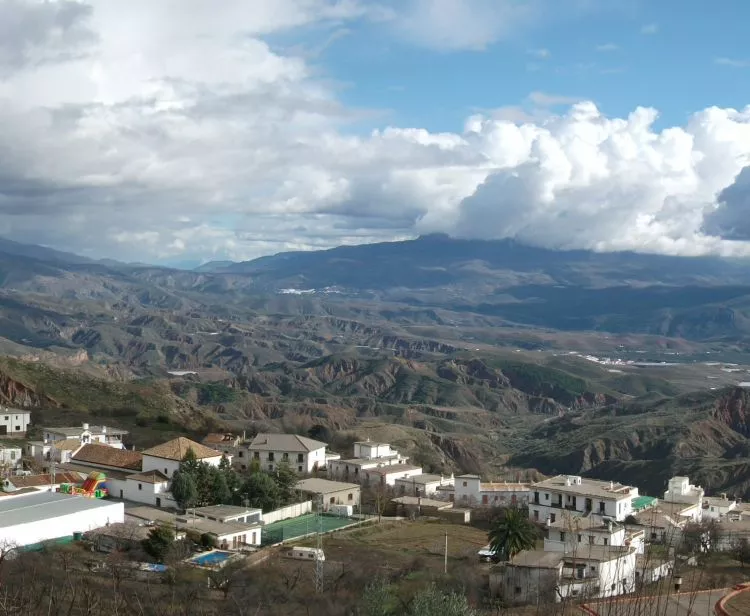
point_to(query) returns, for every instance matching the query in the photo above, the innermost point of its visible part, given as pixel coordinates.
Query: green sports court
(299, 527)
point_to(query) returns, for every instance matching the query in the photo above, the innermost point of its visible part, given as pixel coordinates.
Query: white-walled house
(534, 576)
(471, 491)
(680, 490)
(368, 456)
(422, 485)
(87, 434)
(583, 556)
(14, 422)
(572, 533)
(717, 507)
(387, 475)
(166, 458)
(53, 451)
(150, 488)
(580, 495)
(10, 457)
(303, 455)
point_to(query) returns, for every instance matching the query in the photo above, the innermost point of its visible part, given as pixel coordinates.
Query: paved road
(687, 604)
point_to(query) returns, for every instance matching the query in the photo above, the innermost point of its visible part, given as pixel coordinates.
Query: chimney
(104, 429)
(85, 426)
(611, 485)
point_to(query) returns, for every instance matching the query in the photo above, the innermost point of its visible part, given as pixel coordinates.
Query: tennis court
(301, 526)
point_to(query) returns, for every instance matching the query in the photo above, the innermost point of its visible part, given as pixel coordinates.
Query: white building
(368, 456)
(330, 492)
(422, 485)
(471, 491)
(229, 513)
(388, 475)
(680, 490)
(572, 533)
(717, 507)
(581, 495)
(116, 464)
(166, 458)
(587, 556)
(228, 535)
(86, 434)
(41, 516)
(10, 458)
(14, 422)
(535, 576)
(150, 488)
(302, 454)
(60, 452)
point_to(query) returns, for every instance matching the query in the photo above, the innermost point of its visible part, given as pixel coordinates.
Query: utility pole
(445, 561)
(319, 545)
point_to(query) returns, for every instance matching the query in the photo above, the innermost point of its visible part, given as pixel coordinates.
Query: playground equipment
(93, 487)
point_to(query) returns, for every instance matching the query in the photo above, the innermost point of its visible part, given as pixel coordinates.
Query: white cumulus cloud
(154, 132)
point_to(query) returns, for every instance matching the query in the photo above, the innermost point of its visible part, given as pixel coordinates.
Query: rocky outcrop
(733, 410)
(16, 394)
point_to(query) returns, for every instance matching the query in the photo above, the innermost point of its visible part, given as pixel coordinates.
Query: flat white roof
(45, 506)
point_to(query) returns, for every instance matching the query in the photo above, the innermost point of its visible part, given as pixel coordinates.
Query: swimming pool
(215, 558)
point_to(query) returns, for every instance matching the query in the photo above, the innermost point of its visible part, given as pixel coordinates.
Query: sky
(172, 132)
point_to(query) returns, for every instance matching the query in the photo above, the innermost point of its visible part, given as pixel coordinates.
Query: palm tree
(512, 533)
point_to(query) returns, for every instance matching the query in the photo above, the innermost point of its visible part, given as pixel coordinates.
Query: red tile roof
(104, 455)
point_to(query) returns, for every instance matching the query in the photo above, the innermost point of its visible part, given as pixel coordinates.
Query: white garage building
(33, 518)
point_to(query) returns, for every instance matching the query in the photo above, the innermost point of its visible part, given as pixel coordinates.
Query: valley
(580, 364)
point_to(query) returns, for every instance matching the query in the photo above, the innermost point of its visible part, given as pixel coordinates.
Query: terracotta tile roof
(32, 481)
(176, 449)
(149, 477)
(69, 444)
(105, 455)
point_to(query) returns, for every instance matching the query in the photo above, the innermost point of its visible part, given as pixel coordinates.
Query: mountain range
(470, 355)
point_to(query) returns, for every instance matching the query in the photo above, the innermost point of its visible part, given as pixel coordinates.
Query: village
(597, 539)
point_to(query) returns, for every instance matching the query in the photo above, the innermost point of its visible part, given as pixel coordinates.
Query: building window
(562, 536)
(244, 467)
(536, 515)
(552, 518)
(270, 467)
(300, 457)
(270, 456)
(350, 497)
(18, 428)
(240, 454)
(485, 499)
(7, 418)
(464, 481)
(256, 455)
(591, 539)
(606, 541)
(546, 496)
(518, 590)
(332, 500)
(166, 472)
(612, 587)
(285, 456)
(299, 469)
(579, 538)
(140, 487)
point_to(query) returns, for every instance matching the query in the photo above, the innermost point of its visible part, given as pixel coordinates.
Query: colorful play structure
(95, 486)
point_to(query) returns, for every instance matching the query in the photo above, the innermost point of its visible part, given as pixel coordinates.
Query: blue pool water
(211, 559)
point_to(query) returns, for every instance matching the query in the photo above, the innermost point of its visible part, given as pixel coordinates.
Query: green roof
(642, 502)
